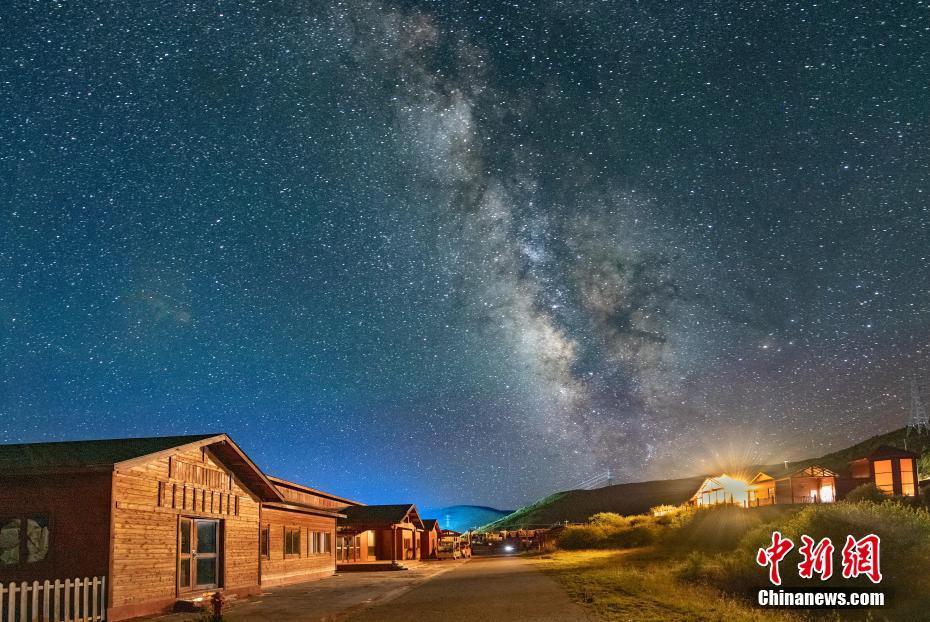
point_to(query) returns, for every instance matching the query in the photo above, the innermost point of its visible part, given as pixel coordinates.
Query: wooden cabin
(161, 521)
(429, 539)
(371, 533)
(812, 484)
(892, 470)
(721, 490)
(298, 535)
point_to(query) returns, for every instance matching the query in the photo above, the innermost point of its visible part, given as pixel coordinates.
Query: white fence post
(23, 601)
(35, 602)
(45, 600)
(11, 603)
(75, 600)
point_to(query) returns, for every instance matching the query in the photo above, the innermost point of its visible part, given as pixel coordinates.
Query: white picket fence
(71, 600)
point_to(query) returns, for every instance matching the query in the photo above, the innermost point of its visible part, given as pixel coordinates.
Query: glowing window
(883, 477)
(907, 477)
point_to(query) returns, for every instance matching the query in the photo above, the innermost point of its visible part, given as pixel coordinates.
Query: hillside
(637, 498)
(578, 505)
(464, 517)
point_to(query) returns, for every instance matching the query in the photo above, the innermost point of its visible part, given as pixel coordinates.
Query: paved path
(490, 589)
(326, 600)
(486, 589)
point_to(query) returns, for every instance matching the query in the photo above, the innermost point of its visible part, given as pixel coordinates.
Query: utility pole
(918, 421)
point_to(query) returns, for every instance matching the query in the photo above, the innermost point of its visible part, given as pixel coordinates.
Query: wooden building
(812, 484)
(429, 539)
(298, 535)
(368, 533)
(721, 490)
(162, 520)
(892, 470)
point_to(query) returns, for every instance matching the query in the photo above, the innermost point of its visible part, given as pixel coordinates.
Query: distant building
(387, 533)
(892, 470)
(429, 540)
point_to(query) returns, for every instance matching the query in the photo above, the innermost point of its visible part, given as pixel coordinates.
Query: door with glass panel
(199, 557)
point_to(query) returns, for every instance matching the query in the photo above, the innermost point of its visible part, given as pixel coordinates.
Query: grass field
(641, 584)
(700, 565)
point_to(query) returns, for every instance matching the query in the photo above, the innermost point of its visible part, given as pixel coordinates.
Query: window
(23, 540)
(371, 543)
(883, 477)
(9, 541)
(907, 477)
(265, 542)
(291, 541)
(327, 542)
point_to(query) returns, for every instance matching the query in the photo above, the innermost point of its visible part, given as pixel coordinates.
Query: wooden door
(199, 554)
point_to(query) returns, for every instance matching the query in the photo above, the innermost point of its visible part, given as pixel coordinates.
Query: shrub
(904, 531)
(694, 568)
(581, 537)
(608, 520)
(866, 492)
(638, 535)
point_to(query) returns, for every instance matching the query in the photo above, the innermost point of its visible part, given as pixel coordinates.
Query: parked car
(449, 550)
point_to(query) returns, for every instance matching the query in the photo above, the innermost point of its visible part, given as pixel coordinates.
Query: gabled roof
(301, 508)
(379, 516)
(814, 470)
(887, 451)
(761, 476)
(114, 454)
(277, 481)
(431, 524)
(86, 454)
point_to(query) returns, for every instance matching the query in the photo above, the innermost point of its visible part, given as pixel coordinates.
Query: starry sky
(465, 252)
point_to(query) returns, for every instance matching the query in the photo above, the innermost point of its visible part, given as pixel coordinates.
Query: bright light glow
(826, 493)
(508, 548)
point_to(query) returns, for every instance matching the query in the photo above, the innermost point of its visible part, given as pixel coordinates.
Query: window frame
(23, 518)
(887, 488)
(912, 472)
(264, 542)
(289, 534)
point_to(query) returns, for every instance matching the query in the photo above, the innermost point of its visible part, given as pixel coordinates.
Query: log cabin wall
(76, 507)
(148, 501)
(311, 562)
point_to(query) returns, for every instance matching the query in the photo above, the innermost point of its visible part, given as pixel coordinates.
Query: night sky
(471, 252)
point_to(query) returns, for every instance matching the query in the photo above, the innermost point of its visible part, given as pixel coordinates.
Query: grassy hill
(577, 505)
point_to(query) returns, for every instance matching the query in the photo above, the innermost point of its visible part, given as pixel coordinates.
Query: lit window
(883, 477)
(907, 477)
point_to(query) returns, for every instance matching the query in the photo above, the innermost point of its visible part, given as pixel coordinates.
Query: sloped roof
(887, 451)
(430, 524)
(378, 516)
(108, 454)
(86, 454)
(277, 481)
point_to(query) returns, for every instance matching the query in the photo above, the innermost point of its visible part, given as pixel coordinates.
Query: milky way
(466, 252)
